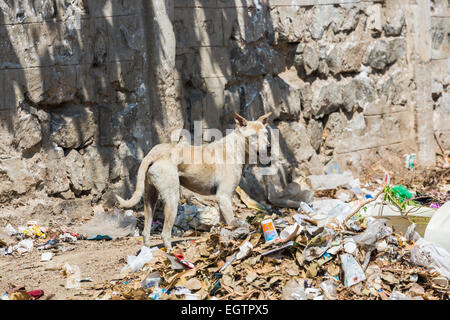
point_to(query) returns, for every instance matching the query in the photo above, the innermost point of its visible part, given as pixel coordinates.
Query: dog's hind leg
(150, 199)
(164, 176)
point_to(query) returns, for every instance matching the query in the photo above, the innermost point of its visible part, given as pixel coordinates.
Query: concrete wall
(354, 81)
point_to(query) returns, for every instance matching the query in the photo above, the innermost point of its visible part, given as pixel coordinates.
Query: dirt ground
(99, 260)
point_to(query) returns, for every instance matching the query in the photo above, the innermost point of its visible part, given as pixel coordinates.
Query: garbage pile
(103, 226)
(324, 251)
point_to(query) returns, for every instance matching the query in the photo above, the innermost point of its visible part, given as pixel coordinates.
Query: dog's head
(257, 135)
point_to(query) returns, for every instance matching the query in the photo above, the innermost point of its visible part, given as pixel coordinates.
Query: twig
(362, 205)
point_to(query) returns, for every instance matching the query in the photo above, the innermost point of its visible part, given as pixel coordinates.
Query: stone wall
(74, 107)
(352, 81)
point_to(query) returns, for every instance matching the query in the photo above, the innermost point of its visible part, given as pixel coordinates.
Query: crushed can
(270, 233)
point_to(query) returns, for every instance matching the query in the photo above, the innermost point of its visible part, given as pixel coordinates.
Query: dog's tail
(140, 184)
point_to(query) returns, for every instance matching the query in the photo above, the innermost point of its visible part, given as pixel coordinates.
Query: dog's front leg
(226, 205)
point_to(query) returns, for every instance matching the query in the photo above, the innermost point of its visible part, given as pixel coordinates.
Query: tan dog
(218, 172)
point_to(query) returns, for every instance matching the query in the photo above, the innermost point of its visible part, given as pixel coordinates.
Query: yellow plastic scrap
(249, 202)
(34, 230)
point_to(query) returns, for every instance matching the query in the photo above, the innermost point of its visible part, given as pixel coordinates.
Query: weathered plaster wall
(355, 81)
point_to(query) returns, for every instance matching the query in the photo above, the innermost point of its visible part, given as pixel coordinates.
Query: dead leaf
(311, 271)
(251, 276)
(333, 269)
(291, 268)
(299, 257)
(390, 278)
(20, 295)
(193, 284)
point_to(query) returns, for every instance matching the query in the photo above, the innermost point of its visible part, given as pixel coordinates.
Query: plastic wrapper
(151, 280)
(353, 272)
(318, 245)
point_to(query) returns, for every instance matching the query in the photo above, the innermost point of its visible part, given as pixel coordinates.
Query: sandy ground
(99, 260)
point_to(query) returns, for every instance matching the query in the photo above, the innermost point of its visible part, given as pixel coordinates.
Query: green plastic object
(401, 193)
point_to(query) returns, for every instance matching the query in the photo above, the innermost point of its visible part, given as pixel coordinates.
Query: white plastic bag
(431, 255)
(137, 262)
(329, 289)
(375, 231)
(294, 290)
(438, 229)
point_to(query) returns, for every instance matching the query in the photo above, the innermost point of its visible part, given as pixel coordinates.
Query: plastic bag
(375, 231)
(116, 225)
(24, 246)
(294, 290)
(431, 255)
(395, 295)
(137, 262)
(438, 229)
(411, 234)
(329, 289)
(151, 280)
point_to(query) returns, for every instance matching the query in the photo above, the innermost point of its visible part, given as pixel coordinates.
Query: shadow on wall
(75, 95)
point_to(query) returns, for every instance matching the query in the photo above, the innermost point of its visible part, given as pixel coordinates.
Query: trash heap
(305, 254)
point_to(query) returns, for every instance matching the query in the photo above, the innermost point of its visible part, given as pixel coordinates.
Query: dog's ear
(265, 118)
(240, 121)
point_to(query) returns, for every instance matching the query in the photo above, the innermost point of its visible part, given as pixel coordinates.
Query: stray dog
(168, 165)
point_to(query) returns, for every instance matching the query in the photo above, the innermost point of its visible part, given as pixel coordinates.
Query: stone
(77, 172)
(56, 178)
(374, 18)
(76, 209)
(334, 59)
(397, 49)
(15, 178)
(52, 86)
(27, 131)
(378, 55)
(334, 128)
(322, 17)
(255, 61)
(383, 53)
(290, 23)
(294, 142)
(73, 127)
(395, 21)
(327, 100)
(315, 132)
(360, 91)
(310, 59)
(281, 98)
(97, 163)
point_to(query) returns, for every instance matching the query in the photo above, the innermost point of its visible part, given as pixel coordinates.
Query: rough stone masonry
(88, 87)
